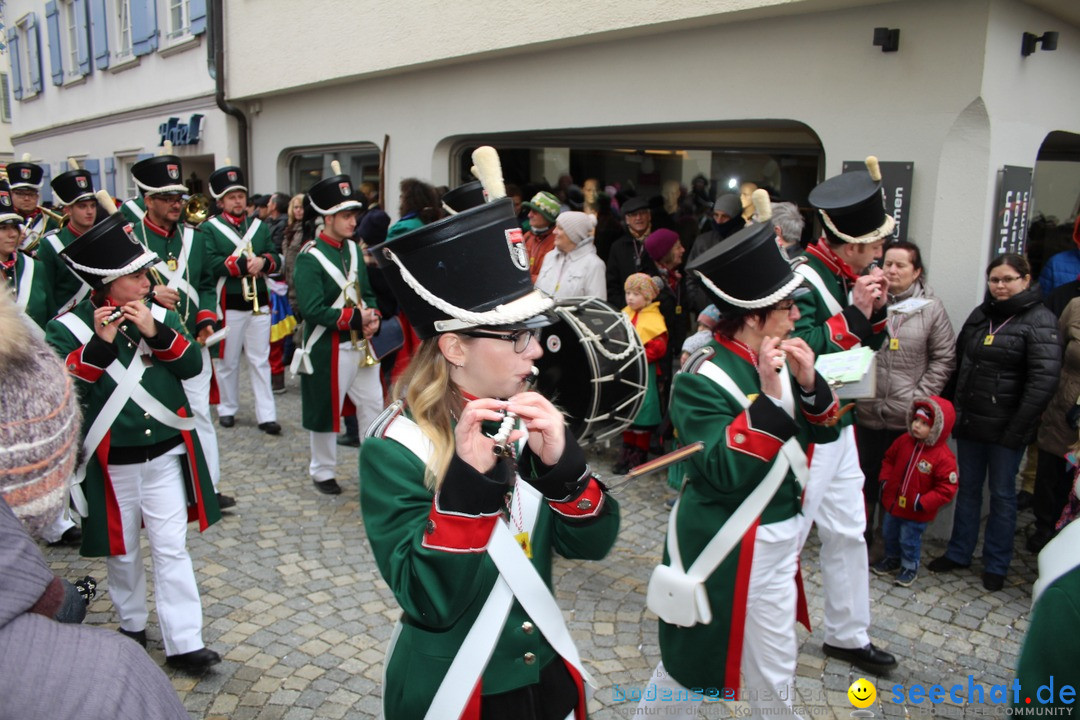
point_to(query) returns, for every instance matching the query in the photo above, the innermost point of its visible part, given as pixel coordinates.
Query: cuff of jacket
(271, 263)
(878, 320)
(232, 264)
(822, 408)
(50, 601)
(167, 344)
(848, 328)
(89, 361)
(466, 508)
(566, 479)
(760, 430)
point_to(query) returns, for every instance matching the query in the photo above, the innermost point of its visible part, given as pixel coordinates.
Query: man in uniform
(25, 180)
(338, 306)
(74, 192)
(181, 284)
(240, 253)
(844, 308)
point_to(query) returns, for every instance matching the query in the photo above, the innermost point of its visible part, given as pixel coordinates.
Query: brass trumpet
(196, 209)
(249, 287)
(354, 335)
(31, 247)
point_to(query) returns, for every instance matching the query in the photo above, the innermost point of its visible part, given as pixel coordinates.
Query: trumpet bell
(196, 209)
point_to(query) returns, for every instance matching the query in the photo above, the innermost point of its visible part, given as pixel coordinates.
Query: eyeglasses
(170, 199)
(784, 306)
(1002, 280)
(520, 338)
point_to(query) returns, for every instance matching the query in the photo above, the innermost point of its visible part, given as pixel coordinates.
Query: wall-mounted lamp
(887, 39)
(1048, 40)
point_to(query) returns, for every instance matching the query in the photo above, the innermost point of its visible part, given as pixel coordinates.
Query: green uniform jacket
(316, 292)
(430, 550)
(31, 288)
(198, 303)
(67, 289)
(134, 209)
(825, 332)
(175, 357)
(740, 447)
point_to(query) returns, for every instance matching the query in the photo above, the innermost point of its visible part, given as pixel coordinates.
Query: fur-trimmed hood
(944, 417)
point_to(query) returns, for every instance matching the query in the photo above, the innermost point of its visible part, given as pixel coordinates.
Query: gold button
(584, 504)
(147, 433)
(527, 627)
(740, 438)
(530, 658)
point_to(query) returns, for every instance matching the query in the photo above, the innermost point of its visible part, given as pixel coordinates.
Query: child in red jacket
(918, 477)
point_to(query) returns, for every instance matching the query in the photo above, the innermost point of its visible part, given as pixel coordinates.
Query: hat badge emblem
(346, 190)
(81, 183)
(24, 173)
(174, 171)
(5, 198)
(231, 175)
(515, 243)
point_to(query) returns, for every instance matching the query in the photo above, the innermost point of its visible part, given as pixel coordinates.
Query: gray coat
(1055, 435)
(921, 365)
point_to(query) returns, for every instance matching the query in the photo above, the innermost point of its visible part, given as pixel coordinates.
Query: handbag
(677, 598)
(390, 338)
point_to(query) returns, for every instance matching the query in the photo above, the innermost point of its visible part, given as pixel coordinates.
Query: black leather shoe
(327, 487)
(945, 564)
(138, 636)
(72, 537)
(196, 661)
(871, 659)
(226, 420)
(225, 501)
(270, 428)
(348, 440)
(992, 581)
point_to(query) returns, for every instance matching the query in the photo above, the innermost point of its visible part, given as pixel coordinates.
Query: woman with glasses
(470, 483)
(1009, 359)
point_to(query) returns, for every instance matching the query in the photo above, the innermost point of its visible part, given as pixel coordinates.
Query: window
(26, 57)
(123, 28)
(71, 38)
(309, 165)
(5, 98)
(125, 184)
(179, 14)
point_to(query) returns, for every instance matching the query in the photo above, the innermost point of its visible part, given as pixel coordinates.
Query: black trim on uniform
(563, 481)
(821, 399)
(767, 417)
(98, 352)
(164, 338)
(857, 323)
(466, 490)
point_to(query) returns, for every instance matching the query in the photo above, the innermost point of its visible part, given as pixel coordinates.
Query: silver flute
(502, 445)
(118, 313)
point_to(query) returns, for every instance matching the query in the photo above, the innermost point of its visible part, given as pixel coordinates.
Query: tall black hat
(107, 251)
(25, 174)
(468, 270)
(72, 186)
(852, 206)
(335, 194)
(747, 271)
(225, 180)
(159, 174)
(464, 197)
(7, 210)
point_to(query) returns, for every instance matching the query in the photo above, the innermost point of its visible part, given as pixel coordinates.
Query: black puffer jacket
(1002, 387)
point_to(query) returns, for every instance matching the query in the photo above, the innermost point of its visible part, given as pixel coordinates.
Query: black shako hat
(747, 271)
(464, 197)
(465, 271)
(159, 175)
(225, 180)
(107, 251)
(335, 194)
(852, 206)
(72, 186)
(7, 210)
(25, 174)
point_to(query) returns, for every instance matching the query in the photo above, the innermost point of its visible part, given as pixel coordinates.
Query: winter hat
(924, 413)
(729, 204)
(577, 225)
(696, 341)
(648, 287)
(659, 243)
(39, 423)
(546, 204)
(373, 227)
(709, 317)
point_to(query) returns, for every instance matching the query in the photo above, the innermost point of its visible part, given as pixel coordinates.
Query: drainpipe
(217, 71)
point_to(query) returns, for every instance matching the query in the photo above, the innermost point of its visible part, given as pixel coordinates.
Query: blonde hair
(296, 201)
(433, 400)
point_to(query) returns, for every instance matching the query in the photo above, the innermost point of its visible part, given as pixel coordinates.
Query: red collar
(234, 219)
(31, 215)
(467, 397)
(8, 264)
(825, 254)
(73, 231)
(336, 244)
(740, 349)
(156, 229)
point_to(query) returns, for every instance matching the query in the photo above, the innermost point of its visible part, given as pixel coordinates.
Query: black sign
(181, 133)
(896, 186)
(1011, 217)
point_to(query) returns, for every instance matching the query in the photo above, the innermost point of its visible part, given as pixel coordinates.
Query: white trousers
(250, 334)
(834, 501)
(198, 394)
(152, 494)
(770, 646)
(55, 530)
(364, 388)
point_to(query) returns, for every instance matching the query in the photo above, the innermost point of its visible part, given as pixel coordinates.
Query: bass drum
(593, 368)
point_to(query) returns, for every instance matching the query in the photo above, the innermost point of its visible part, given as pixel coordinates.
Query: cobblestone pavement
(294, 603)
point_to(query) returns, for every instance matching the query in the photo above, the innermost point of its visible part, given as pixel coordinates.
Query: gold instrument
(196, 209)
(249, 287)
(354, 335)
(31, 247)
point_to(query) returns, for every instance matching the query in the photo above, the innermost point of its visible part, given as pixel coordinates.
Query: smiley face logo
(862, 693)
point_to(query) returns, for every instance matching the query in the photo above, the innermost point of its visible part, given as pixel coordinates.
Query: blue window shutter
(82, 35)
(56, 56)
(99, 15)
(16, 63)
(197, 8)
(93, 166)
(46, 182)
(36, 84)
(110, 176)
(144, 32)
(143, 156)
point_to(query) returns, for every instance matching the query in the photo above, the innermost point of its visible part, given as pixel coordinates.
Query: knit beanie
(647, 287)
(39, 423)
(660, 242)
(577, 225)
(373, 227)
(925, 414)
(696, 341)
(709, 317)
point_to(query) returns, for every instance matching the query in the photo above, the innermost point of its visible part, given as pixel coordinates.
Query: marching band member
(25, 180)
(753, 397)
(338, 306)
(142, 464)
(23, 276)
(464, 536)
(240, 253)
(183, 285)
(74, 192)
